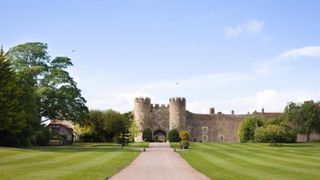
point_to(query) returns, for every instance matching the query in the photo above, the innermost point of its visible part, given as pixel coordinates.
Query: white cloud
(309, 51)
(249, 28)
(270, 99)
(281, 61)
(121, 98)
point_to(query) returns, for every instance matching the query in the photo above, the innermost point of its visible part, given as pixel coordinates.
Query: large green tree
(12, 115)
(60, 96)
(52, 91)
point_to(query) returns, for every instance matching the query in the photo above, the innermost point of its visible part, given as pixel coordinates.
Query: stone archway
(160, 136)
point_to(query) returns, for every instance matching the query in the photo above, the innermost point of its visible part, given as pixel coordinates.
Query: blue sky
(241, 55)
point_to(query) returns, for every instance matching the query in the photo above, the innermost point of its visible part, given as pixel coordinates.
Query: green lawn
(255, 161)
(80, 161)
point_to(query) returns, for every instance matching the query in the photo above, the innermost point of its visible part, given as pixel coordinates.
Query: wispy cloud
(282, 61)
(252, 27)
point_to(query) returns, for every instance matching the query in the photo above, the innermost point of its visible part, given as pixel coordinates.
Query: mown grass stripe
(266, 151)
(43, 160)
(259, 161)
(209, 168)
(83, 161)
(271, 163)
(69, 168)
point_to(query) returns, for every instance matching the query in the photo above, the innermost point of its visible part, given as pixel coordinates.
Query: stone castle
(213, 127)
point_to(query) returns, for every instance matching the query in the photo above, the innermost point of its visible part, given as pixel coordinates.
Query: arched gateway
(160, 136)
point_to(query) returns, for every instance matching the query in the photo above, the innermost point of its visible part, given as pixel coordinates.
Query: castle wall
(159, 118)
(214, 127)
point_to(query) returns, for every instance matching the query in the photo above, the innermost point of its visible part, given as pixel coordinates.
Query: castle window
(204, 138)
(204, 129)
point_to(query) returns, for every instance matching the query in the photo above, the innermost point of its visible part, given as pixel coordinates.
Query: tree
(60, 97)
(53, 92)
(173, 135)
(12, 115)
(304, 118)
(248, 127)
(48, 91)
(147, 135)
(107, 125)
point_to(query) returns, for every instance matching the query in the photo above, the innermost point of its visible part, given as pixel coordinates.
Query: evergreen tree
(12, 116)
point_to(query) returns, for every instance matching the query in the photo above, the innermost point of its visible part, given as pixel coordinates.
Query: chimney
(262, 110)
(232, 112)
(212, 111)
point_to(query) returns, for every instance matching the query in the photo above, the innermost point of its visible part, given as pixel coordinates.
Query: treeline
(296, 119)
(35, 88)
(108, 126)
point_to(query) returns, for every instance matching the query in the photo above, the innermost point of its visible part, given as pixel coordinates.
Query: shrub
(147, 135)
(248, 127)
(272, 133)
(173, 135)
(123, 139)
(184, 136)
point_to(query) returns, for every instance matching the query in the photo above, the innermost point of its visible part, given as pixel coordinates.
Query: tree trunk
(308, 137)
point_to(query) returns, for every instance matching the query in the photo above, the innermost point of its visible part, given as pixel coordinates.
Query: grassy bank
(80, 161)
(255, 161)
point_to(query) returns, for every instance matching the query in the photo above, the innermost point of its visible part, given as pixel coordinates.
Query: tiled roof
(66, 124)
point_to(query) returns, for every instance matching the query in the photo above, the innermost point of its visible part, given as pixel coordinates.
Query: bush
(184, 136)
(248, 127)
(173, 135)
(274, 134)
(147, 135)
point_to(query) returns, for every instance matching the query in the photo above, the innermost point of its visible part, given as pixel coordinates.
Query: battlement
(178, 99)
(159, 106)
(143, 100)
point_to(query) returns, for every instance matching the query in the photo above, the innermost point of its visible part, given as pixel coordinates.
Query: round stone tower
(142, 109)
(177, 113)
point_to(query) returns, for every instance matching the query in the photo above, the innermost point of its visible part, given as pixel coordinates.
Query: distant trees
(106, 126)
(297, 118)
(304, 118)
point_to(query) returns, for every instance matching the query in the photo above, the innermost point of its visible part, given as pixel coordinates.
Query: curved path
(159, 162)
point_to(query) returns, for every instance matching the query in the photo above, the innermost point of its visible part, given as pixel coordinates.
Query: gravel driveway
(159, 162)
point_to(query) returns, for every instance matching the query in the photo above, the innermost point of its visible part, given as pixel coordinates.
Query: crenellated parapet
(178, 100)
(143, 100)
